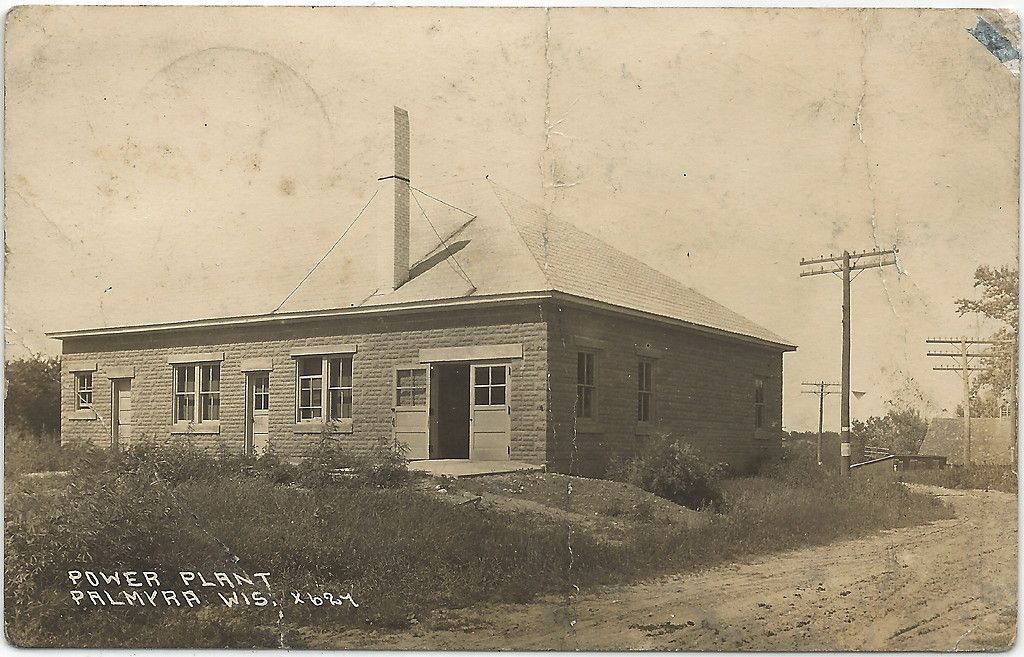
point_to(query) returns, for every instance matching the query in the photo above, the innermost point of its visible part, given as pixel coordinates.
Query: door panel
(434, 449)
(258, 406)
(412, 403)
(490, 418)
(123, 401)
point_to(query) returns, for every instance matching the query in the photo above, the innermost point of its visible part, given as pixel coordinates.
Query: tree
(998, 296)
(999, 302)
(32, 401)
(900, 430)
(985, 402)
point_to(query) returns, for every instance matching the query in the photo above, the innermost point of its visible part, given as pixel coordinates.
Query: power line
(329, 251)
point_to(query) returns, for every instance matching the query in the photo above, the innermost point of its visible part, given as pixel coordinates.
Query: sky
(158, 159)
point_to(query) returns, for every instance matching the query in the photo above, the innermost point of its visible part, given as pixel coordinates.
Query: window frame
(211, 392)
(412, 387)
(80, 390)
(326, 388)
(643, 392)
(316, 411)
(338, 386)
(760, 404)
(490, 385)
(198, 394)
(584, 386)
(179, 394)
(260, 389)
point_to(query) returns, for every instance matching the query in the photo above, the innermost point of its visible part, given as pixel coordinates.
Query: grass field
(404, 553)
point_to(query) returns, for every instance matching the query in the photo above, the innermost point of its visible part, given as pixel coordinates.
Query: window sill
(197, 428)
(340, 426)
(82, 414)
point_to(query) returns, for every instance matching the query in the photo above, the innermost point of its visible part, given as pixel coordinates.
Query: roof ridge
(550, 217)
(542, 268)
(667, 288)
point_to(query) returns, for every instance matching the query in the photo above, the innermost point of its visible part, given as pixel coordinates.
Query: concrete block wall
(382, 342)
(703, 390)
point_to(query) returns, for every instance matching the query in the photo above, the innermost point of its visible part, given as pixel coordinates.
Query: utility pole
(965, 350)
(845, 264)
(820, 388)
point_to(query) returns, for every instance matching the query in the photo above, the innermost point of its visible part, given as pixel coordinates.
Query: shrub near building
(671, 468)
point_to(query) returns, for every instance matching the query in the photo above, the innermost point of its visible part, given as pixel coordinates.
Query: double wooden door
(489, 411)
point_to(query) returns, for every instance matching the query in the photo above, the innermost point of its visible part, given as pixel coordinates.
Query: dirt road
(949, 585)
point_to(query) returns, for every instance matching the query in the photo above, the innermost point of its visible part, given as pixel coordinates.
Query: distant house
(992, 440)
(514, 336)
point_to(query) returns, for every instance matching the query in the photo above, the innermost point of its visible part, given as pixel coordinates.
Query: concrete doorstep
(465, 468)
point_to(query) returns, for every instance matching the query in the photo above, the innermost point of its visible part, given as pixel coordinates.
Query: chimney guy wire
(329, 251)
(451, 255)
(453, 207)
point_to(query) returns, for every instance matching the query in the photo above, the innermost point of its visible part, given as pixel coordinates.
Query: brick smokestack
(402, 199)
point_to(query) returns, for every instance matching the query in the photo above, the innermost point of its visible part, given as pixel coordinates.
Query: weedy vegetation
(365, 526)
(977, 477)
